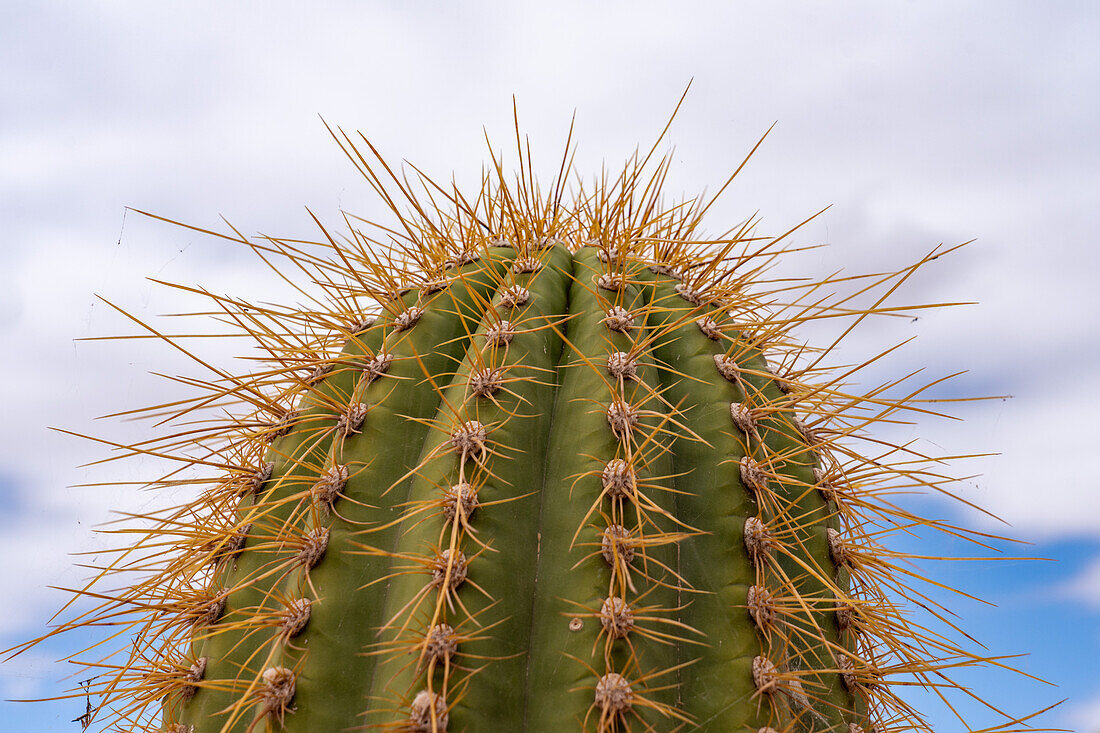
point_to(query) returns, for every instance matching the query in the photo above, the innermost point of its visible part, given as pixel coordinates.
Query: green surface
(530, 644)
(379, 455)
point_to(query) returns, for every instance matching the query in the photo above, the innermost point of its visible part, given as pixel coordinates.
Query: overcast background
(920, 123)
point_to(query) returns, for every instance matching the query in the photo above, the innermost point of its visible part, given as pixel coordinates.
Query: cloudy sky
(918, 122)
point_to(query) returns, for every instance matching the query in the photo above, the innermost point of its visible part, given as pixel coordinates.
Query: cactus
(535, 464)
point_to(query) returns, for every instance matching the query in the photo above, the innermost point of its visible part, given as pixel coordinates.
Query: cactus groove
(530, 463)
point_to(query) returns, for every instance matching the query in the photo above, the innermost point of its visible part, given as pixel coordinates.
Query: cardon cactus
(535, 461)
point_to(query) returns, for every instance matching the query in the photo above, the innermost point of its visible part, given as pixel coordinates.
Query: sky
(917, 123)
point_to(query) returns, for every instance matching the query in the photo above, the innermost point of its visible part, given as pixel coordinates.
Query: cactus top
(531, 463)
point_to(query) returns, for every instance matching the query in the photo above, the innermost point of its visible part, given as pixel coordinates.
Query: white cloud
(1085, 716)
(1034, 482)
(1085, 587)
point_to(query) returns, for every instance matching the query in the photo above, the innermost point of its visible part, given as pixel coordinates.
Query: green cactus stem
(531, 463)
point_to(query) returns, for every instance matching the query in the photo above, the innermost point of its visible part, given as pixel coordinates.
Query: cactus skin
(415, 527)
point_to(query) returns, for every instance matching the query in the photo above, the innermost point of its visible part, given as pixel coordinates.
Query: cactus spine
(571, 472)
